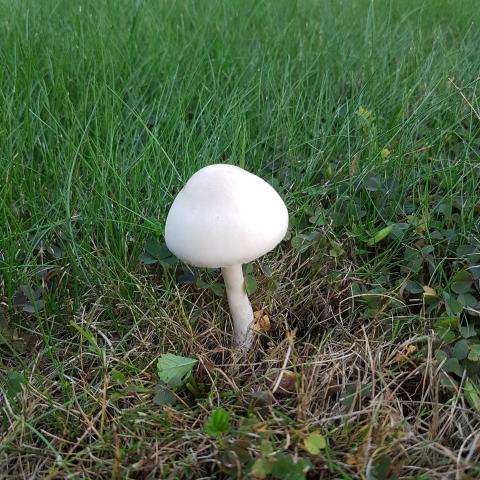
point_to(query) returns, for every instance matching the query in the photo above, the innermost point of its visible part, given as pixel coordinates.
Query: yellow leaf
(403, 355)
(411, 349)
(261, 322)
(429, 291)
(385, 153)
(351, 459)
(314, 443)
(354, 165)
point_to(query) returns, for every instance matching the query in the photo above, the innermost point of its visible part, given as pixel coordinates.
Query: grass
(362, 114)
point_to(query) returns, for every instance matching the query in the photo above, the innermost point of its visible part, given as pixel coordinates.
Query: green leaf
(467, 331)
(452, 365)
(448, 382)
(381, 469)
(163, 395)
(14, 383)
(373, 184)
(314, 443)
(452, 306)
(445, 208)
(186, 275)
(28, 299)
(168, 261)
(450, 234)
(115, 396)
(302, 242)
(336, 249)
(56, 251)
(25, 294)
(250, 284)
(132, 388)
(471, 369)
(474, 353)
(475, 271)
(152, 225)
(118, 377)
(441, 356)
(218, 422)
(266, 270)
(468, 300)
(284, 468)
(266, 448)
(470, 253)
(329, 171)
(461, 282)
(147, 259)
(465, 250)
(412, 260)
(157, 252)
(217, 289)
(240, 450)
(460, 350)
(200, 284)
(427, 250)
(446, 328)
(353, 392)
(34, 306)
(413, 287)
(380, 235)
(248, 268)
(88, 335)
(471, 392)
(261, 468)
(157, 249)
(318, 218)
(399, 229)
(173, 370)
(436, 235)
(366, 115)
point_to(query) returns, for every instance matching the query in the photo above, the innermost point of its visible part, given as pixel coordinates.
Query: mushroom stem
(240, 308)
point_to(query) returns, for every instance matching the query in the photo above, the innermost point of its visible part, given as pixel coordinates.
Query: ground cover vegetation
(116, 359)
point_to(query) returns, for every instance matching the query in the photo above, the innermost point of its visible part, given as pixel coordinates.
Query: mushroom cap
(225, 216)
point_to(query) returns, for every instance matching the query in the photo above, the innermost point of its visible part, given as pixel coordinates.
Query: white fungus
(224, 217)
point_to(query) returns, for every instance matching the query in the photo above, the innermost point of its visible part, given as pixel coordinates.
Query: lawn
(364, 116)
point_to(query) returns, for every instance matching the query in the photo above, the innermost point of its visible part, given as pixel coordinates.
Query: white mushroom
(224, 217)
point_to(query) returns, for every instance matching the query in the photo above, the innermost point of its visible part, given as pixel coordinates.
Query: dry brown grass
(319, 367)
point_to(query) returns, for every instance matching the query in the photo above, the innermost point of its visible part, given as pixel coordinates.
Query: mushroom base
(240, 307)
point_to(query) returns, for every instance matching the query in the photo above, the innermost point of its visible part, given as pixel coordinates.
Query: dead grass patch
(318, 367)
